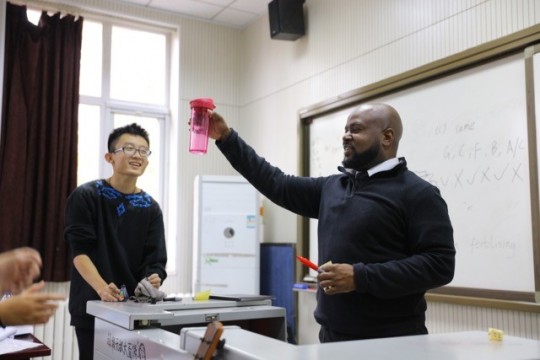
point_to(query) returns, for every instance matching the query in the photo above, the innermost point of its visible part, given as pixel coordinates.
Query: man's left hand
(336, 278)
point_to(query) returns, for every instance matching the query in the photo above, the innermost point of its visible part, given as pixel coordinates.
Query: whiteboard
(467, 134)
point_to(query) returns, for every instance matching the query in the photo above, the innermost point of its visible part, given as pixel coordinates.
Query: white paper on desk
(24, 329)
(15, 330)
(7, 332)
(12, 345)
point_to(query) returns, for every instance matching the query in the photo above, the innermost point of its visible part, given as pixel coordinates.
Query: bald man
(385, 230)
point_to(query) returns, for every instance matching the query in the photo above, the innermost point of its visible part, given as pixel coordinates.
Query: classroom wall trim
(443, 317)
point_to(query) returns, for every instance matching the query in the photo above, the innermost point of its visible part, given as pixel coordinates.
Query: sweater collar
(384, 166)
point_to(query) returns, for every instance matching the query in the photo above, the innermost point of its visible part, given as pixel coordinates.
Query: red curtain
(38, 140)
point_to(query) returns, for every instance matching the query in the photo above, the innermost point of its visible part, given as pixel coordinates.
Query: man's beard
(362, 160)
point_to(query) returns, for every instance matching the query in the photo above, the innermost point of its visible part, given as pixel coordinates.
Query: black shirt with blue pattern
(123, 235)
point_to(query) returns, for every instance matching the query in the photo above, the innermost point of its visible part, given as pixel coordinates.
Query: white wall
(350, 44)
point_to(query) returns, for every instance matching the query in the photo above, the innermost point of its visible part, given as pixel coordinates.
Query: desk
(41, 350)
(244, 345)
(151, 331)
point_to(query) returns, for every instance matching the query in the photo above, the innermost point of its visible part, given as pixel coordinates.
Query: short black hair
(132, 129)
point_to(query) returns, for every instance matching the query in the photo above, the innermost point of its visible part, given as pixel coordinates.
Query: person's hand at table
(32, 306)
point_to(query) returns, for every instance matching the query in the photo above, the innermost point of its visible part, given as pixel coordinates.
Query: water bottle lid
(203, 102)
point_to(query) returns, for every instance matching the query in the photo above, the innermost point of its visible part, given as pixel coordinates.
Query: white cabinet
(226, 236)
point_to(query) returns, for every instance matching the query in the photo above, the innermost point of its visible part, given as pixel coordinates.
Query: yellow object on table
(495, 334)
(202, 295)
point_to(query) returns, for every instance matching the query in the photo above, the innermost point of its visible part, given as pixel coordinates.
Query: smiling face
(371, 136)
(124, 164)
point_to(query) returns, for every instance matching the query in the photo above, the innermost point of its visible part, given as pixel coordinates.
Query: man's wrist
(225, 135)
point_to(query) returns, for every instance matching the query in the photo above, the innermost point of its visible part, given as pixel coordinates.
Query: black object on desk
(241, 297)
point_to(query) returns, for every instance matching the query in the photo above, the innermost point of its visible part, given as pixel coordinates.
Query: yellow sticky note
(202, 295)
(495, 334)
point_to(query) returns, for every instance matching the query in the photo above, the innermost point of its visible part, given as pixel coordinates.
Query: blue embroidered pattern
(141, 200)
(107, 192)
(120, 209)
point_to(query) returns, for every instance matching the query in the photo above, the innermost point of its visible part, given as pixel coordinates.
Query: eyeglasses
(131, 150)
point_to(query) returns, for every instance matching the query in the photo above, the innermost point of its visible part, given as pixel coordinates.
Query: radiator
(57, 334)
(441, 318)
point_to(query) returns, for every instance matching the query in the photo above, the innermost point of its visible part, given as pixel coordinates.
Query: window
(124, 78)
(91, 59)
(138, 61)
(88, 163)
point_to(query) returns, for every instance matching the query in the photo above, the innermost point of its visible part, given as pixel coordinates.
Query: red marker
(308, 263)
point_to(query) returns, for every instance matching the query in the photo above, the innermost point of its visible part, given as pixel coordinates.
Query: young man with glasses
(115, 231)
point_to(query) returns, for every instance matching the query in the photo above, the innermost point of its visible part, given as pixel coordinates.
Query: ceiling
(233, 13)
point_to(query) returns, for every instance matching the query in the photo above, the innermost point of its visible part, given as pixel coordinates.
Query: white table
(152, 331)
(472, 345)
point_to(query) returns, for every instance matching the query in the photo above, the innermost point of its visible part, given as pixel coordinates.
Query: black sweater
(123, 234)
(393, 227)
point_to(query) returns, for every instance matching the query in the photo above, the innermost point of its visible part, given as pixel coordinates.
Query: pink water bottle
(200, 121)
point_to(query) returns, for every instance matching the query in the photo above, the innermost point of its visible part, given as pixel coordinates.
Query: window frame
(108, 107)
